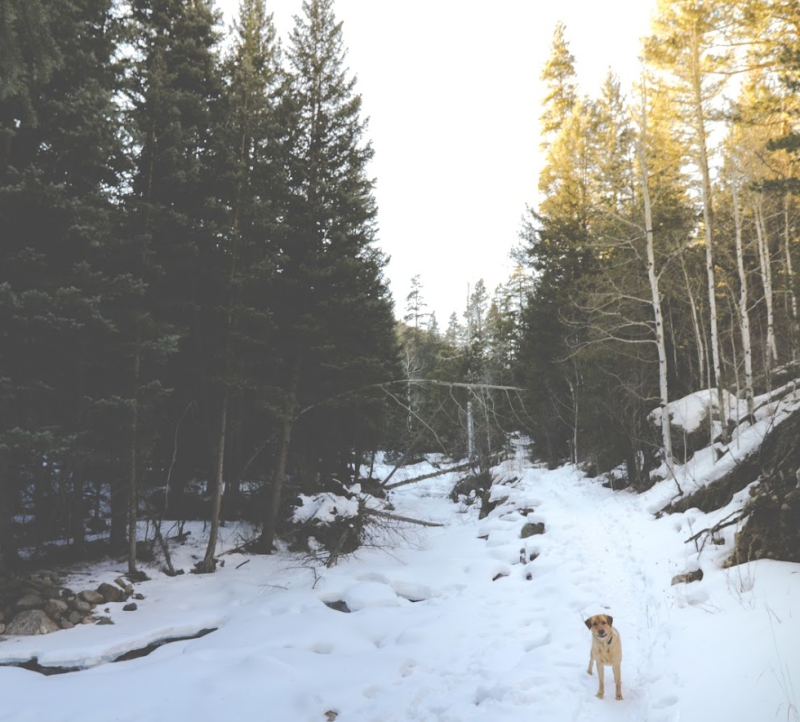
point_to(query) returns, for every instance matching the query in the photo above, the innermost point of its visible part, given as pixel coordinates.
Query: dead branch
(397, 517)
(727, 521)
(439, 472)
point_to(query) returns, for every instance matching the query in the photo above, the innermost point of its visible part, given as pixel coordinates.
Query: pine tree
(559, 77)
(333, 312)
(173, 223)
(59, 167)
(250, 153)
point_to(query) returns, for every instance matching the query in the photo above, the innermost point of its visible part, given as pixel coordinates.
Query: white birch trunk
(744, 314)
(700, 131)
(765, 263)
(666, 435)
(698, 334)
(790, 276)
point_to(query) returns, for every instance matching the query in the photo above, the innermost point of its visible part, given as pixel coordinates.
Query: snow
(691, 411)
(446, 624)
(325, 508)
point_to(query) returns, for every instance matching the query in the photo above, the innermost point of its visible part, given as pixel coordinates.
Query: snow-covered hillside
(449, 624)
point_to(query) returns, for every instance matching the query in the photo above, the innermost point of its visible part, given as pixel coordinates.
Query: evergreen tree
(59, 169)
(559, 78)
(251, 143)
(333, 312)
(173, 225)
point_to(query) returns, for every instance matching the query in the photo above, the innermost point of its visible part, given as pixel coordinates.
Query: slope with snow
(448, 624)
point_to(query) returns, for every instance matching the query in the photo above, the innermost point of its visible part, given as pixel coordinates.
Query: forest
(194, 317)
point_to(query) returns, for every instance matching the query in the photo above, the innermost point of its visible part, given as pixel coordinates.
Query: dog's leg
(591, 661)
(618, 680)
(601, 678)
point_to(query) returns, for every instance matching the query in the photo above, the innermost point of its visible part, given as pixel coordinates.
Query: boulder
(80, 606)
(532, 528)
(91, 596)
(694, 576)
(130, 607)
(30, 601)
(110, 593)
(32, 621)
(55, 608)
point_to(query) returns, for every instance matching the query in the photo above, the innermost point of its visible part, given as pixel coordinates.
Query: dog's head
(600, 625)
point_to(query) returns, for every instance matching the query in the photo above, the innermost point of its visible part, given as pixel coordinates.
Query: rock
(694, 576)
(127, 588)
(130, 607)
(110, 593)
(80, 606)
(55, 608)
(66, 624)
(30, 601)
(75, 617)
(138, 596)
(532, 528)
(2, 628)
(91, 596)
(32, 621)
(1, 617)
(104, 620)
(88, 620)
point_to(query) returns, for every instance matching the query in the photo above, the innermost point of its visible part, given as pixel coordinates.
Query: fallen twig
(397, 517)
(440, 472)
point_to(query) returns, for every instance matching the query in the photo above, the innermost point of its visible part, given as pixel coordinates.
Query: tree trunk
(209, 564)
(698, 334)
(132, 459)
(9, 558)
(77, 506)
(744, 314)
(42, 501)
(790, 277)
(700, 131)
(666, 433)
(765, 262)
(267, 541)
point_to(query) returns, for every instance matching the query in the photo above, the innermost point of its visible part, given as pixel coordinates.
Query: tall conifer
(334, 315)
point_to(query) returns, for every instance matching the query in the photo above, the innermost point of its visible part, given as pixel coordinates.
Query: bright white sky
(452, 91)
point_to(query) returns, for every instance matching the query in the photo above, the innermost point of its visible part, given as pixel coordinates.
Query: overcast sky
(452, 91)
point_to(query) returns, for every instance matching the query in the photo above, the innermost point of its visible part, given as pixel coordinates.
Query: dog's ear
(610, 620)
(588, 623)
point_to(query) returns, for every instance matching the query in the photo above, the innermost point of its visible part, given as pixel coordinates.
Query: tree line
(663, 246)
(194, 321)
(191, 293)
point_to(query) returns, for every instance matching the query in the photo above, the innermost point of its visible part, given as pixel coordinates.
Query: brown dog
(606, 649)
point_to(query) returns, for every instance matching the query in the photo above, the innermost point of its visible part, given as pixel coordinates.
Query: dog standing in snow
(606, 650)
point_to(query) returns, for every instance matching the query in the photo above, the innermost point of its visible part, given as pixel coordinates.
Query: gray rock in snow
(33, 621)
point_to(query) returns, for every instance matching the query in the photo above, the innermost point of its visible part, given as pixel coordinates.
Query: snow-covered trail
(468, 622)
(517, 647)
